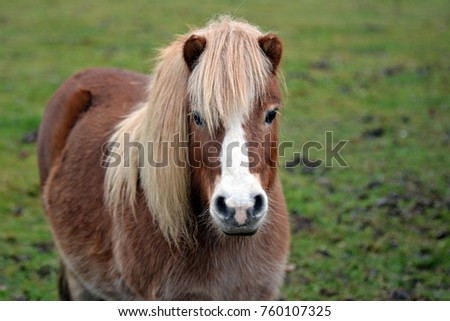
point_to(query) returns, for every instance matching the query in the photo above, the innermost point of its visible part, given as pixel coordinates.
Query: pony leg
(63, 286)
(71, 289)
(191, 297)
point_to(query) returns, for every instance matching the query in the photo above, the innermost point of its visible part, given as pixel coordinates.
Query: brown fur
(126, 256)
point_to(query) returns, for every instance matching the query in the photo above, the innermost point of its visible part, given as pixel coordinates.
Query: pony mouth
(232, 228)
(241, 233)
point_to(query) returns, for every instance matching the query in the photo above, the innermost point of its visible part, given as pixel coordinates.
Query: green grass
(376, 230)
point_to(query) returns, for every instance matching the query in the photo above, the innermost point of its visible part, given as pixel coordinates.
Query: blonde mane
(232, 72)
(229, 77)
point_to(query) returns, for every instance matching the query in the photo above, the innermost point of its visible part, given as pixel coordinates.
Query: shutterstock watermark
(195, 153)
(331, 153)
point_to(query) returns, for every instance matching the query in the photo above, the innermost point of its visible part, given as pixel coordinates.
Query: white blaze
(237, 185)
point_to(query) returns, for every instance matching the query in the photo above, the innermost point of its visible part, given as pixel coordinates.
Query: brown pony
(166, 187)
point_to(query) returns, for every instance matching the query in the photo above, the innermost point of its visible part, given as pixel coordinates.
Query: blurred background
(375, 73)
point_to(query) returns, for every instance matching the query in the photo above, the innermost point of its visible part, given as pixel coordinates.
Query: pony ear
(192, 50)
(271, 46)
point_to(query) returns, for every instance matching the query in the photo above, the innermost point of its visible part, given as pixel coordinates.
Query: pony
(165, 187)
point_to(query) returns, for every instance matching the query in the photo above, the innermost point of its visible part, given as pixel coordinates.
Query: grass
(375, 73)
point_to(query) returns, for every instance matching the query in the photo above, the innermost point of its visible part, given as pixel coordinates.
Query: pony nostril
(259, 204)
(221, 206)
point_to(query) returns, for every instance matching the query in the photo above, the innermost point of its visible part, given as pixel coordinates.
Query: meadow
(374, 73)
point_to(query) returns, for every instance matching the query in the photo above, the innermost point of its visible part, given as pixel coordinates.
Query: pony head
(211, 120)
(233, 100)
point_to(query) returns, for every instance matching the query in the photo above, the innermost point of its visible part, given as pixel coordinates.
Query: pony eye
(198, 119)
(270, 116)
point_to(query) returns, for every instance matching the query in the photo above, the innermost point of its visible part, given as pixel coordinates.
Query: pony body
(176, 232)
